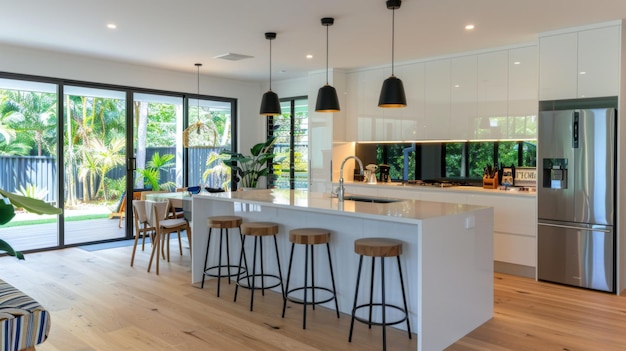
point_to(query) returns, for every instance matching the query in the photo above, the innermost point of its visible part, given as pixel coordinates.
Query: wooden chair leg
(180, 244)
(188, 230)
(132, 257)
(155, 247)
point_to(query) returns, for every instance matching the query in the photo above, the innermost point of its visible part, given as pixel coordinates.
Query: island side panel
(202, 208)
(456, 277)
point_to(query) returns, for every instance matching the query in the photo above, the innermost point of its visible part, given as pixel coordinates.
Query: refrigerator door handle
(575, 116)
(575, 227)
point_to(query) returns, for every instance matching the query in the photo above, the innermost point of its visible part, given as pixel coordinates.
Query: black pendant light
(392, 94)
(270, 105)
(327, 100)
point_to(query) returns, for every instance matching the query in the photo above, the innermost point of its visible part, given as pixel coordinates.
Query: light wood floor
(98, 302)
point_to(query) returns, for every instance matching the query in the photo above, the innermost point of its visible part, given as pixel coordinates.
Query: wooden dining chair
(164, 227)
(142, 226)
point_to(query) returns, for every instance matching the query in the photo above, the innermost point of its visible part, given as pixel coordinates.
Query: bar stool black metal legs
(224, 223)
(249, 281)
(379, 247)
(309, 237)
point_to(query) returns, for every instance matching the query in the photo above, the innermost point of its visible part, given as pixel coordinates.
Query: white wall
(251, 126)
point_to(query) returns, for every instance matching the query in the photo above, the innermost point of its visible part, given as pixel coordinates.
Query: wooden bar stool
(379, 247)
(224, 223)
(249, 281)
(309, 237)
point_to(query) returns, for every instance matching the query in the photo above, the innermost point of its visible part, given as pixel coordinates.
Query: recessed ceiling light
(516, 63)
(111, 25)
(469, 27)
(583, 72)
(457, 86)
(309, 56)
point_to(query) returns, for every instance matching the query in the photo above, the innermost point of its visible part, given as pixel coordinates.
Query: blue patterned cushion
(23, 321)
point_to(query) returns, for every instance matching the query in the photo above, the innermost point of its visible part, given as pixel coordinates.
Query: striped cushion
(24, 322)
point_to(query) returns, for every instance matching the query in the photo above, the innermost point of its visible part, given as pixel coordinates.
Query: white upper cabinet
(437, 100)
(579, 64)
(491, 95)
(370, 116)
(492, 87)
(413, 80)
(598, 62)
(523, 93)
(558, 63)
(463, 97)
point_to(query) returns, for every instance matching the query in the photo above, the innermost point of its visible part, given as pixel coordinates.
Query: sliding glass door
(28, 159)
(70, 145)
(205, 165)
(94, 163)
(157, 142)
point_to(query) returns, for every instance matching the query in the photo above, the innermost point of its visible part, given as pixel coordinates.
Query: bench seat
(24, 323)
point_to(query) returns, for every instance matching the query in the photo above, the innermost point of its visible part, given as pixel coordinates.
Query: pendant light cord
(393, 39)
(270, 64)
(198, 97)
(327, 55)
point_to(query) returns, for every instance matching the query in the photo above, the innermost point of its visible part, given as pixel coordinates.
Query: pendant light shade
(199, 134)
(327, 100)
(270, 104)
(392, 93)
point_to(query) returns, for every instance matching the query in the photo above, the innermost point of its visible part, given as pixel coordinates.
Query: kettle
(370, 173)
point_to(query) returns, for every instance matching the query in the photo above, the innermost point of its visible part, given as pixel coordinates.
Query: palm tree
(152, 173)
(107, 157)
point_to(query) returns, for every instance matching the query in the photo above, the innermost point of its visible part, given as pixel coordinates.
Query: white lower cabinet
(515, 216)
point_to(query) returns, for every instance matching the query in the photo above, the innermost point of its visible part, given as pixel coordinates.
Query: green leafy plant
(248, 169)
(152, 173)
(218, 169)
(7, 212)
(32, 191)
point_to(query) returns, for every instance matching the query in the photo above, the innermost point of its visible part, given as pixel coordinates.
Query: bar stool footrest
(239, 271)
(317, 288)
(367, 321)
(253, 278)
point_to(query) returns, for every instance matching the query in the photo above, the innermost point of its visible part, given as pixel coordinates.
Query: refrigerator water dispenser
(555, 173)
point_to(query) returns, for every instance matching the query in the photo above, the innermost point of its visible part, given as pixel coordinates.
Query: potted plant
(7, 212)
(247, 170)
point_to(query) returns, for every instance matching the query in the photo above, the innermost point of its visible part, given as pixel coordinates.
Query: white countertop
(408, 211)
(463, 189)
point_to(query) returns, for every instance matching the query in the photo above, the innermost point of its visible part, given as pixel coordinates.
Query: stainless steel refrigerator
(576, 156)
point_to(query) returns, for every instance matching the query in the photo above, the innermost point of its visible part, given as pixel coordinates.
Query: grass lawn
(52, 220)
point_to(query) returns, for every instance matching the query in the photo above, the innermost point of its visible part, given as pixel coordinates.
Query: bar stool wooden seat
(382, 248)
(223, 223)
(258, 230)
(309, 237)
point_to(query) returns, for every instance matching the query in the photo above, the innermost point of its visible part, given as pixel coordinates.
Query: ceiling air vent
(232, 57)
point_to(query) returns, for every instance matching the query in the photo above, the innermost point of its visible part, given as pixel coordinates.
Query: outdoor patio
(37, 236)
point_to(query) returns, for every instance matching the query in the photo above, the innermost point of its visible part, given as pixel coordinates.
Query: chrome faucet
(341, 190)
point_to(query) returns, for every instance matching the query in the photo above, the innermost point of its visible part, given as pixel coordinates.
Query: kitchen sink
(377, 200)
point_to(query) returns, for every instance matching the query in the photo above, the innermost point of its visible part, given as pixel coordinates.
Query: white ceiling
(176, 34)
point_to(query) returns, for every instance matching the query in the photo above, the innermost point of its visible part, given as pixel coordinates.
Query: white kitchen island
(447, 260)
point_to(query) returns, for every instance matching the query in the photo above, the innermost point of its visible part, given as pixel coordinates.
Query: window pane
(454, 160)
(158, 149)
(480, 156)
(205, 165)
(28, 157)
(393, 155)
(529, 154)
(507, 153)
(285, 172)
(94, 161)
